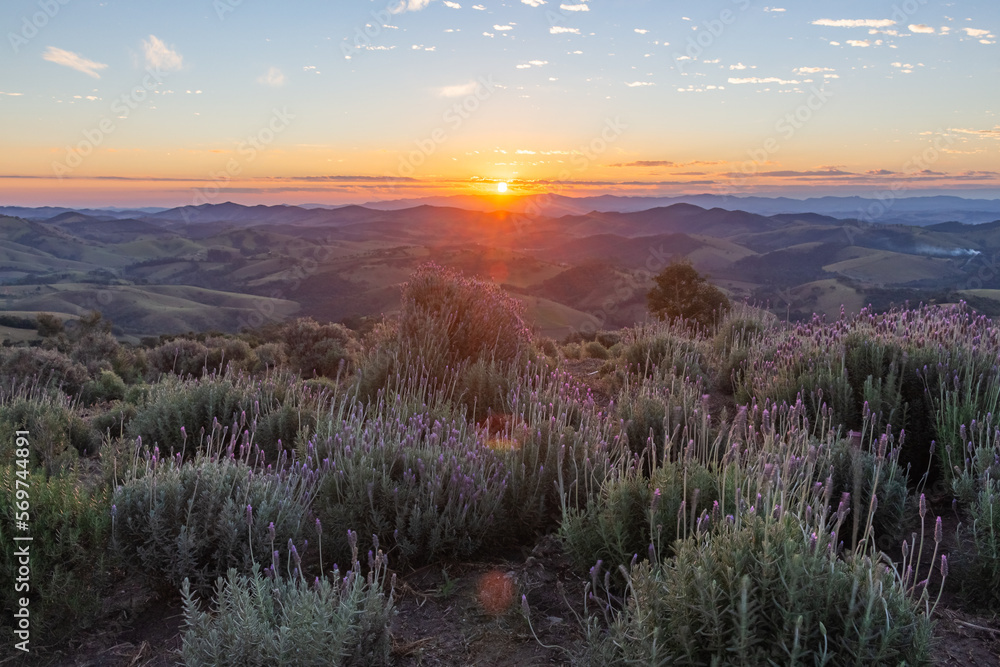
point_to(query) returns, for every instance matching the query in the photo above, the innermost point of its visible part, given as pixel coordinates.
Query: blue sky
(164, 102)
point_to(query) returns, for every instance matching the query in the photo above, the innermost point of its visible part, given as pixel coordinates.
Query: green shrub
(70, 526)
(192, 521)
(447, 318)
(181, 357)
(269, 356)
(763, 592)
(646, 351)
(319, 349)
(426, 488)
(107, 387)
(634, 515)
(58, 433)
(482, 387)
(21, 364)
(979, 548)
(681, 292)
(195, 406)
(859, 473)
(277, 620)
(594, 350)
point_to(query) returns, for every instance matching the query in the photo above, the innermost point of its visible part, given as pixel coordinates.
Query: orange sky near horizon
(177, 103)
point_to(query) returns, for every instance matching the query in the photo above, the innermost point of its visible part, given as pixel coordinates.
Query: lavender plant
(284, 619)
(175, 521)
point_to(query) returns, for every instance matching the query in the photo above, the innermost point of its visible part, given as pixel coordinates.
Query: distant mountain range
(574, 265)
(918, 211)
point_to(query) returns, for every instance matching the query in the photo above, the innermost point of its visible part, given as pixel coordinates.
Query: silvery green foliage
(199, 519)
(270, 619)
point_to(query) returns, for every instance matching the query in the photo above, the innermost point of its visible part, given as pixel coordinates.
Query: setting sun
(501, 187)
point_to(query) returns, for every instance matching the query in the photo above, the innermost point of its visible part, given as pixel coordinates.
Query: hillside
(344, 262)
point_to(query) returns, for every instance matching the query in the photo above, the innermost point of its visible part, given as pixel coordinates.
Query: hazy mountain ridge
(572, 270)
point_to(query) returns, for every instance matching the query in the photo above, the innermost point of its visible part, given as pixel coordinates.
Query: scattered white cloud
(699, 89)
(811, 70)
(855, 23)
(160, 56)
(503, 28)
(976, 32)
(906, 68)
(641, 31)
(738, 66)
(481, 8)
(460, 90)
(560, 30)
(921, 28)
(774, 9)
(711, 62)
(986, 134)
(453, 5)
(534, 3)
(638, 84)
(11, 94)
(859, 42)
(574, 8)
(769, 79)
(834, 43)
(272, 77)
(73, 61)
(409, 6)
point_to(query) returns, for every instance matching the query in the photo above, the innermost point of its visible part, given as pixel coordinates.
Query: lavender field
(746, 492)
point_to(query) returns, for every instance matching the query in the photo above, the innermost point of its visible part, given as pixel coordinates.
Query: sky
(166, 103)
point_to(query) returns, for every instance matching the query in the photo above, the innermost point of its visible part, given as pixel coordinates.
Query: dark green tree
(681, 292)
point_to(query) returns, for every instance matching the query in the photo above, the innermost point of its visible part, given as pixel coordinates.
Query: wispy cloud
(73, 61)
(920, 28)
(272, 77)
(859, 42)
(855, 23)
(409, 6)
(638, 84)
(574, 8)
(559, 30)
(460, 90)
(646, 163)
(453, 5)
(534, 3)
(988, 134)
(768, 79)
(160, 56)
